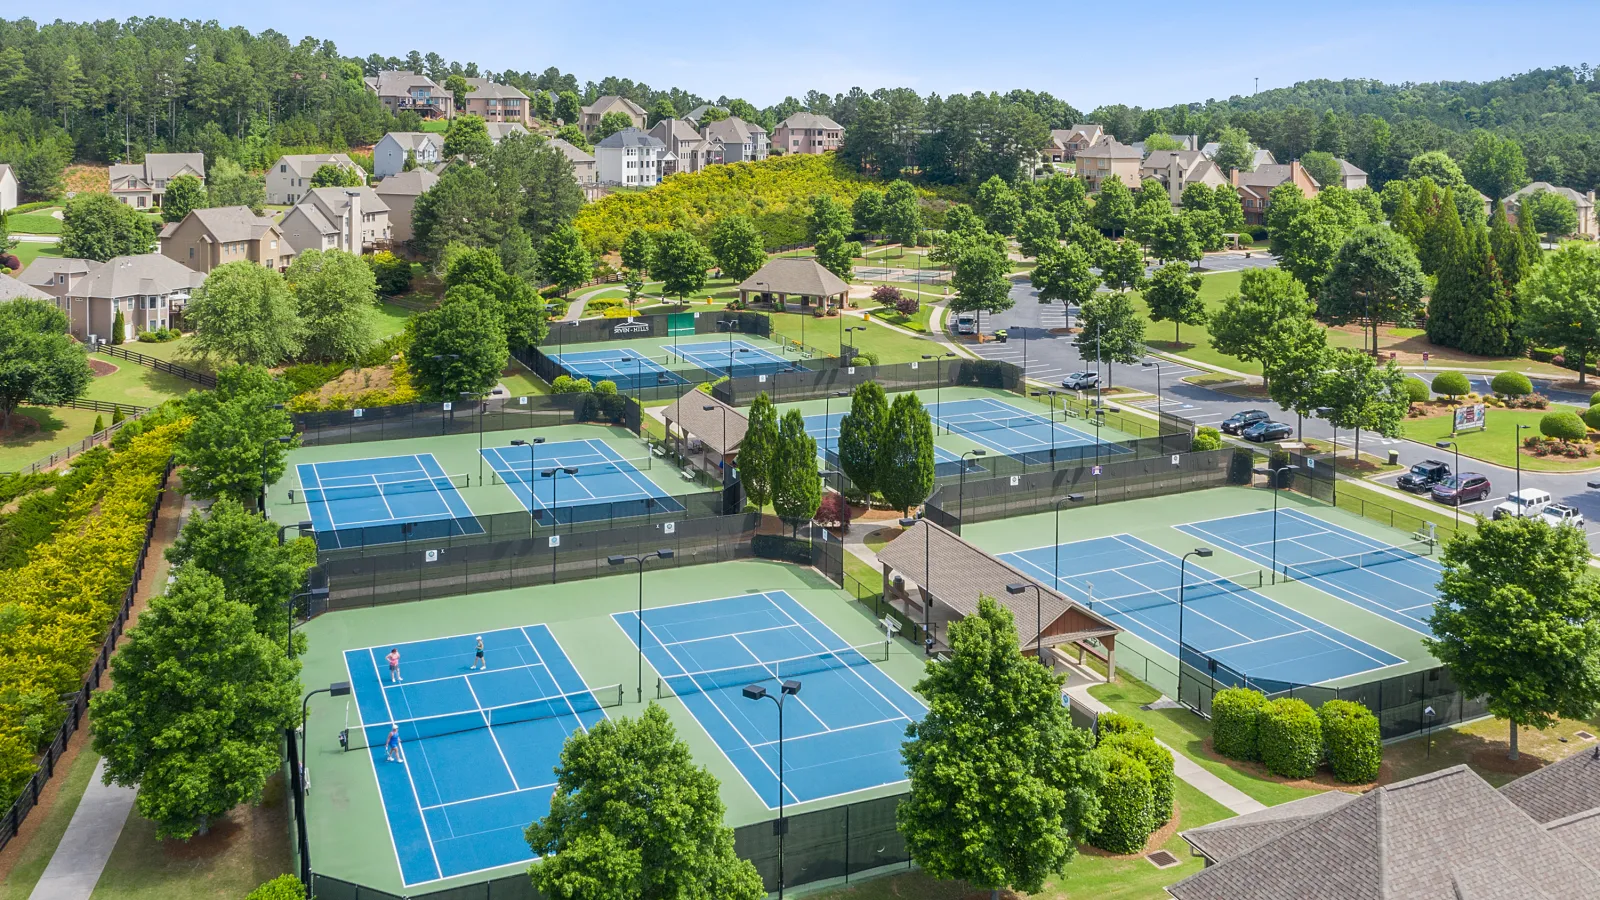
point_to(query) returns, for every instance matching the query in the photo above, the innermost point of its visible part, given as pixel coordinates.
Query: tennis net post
(1364, 560)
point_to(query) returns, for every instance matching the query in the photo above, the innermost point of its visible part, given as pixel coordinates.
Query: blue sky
(761, 51)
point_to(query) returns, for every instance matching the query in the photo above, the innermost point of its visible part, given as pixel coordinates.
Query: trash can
(1000, 335)
(1394, 457)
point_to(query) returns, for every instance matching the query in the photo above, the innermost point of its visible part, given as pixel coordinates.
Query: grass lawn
(437, 126)
(1091, 875)
(917, 321)
(51, 824)
(890, 345)
(38, 222)
(521, 382)
(28, 251)
(1498, 442)
(1196, 340)
(1369, 465)
(134, 384)
(1377, 504)
(58, 426)
(392, 318)
(1186, 733)
(1408, 344)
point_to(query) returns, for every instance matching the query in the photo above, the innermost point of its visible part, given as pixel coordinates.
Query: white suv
(1523, 504)
(1561, 514)
(1079, 381)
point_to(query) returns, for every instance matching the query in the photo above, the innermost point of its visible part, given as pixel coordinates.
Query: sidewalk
(84, 849)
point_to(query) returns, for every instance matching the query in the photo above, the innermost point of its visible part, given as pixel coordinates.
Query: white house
(289, 179)
(631, 158)
(8, 188)
(389, 156)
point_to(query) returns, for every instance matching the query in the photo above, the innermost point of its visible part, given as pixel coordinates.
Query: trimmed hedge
(284, 887)
(1234, 713)
(1289, 737)
(1110, 723)
(1126, 799)
(1511, 384)
(1416, 390)
(1158, 760)
(1206, 438)
(1451, 384)
(1355, 747)
(1591, 417)
(1563, 426)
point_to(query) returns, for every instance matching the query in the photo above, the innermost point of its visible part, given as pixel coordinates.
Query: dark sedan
(1238, 422)
(1468, 487)
(1268, 431)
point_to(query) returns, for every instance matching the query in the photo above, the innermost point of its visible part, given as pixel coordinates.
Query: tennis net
(1365, 560)
(423, 727)
(520, 475)
(776, 670)
(378, 487)
(970, 424)
(1192, 592)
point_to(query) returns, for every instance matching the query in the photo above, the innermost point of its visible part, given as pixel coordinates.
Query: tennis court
(604, 484)
(1135, 584)
(1014, 431)
(410, 494)
(1393, 581)
(841, 733)
(628, 369)
(479, 746)
(744, 357)
(825, 430)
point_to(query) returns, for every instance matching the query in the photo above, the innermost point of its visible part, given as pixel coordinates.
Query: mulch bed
(100, 367)
(1157, 838)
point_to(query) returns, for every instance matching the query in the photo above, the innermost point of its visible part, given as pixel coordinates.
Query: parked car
(1268, 431)
(1523, 504)
(1080, 381)
(1466, 487)
(1238, 422)
(1562, 514)
(1421, 478)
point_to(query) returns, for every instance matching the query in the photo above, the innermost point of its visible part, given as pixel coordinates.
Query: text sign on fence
(1470, 416)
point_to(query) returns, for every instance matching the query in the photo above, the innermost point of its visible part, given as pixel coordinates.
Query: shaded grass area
(1484, 745)
(392, 317)
(33, 855)
(28, 251)
(55, 428)
(520, 381)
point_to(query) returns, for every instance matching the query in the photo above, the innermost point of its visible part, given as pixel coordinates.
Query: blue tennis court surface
(1015, 431)
(606, 486)
(841, 733)
(1398, 583)
(1135, 584)
(628, 369)
(825, 431)
(479, 747)
(745, 358)
(411, 496)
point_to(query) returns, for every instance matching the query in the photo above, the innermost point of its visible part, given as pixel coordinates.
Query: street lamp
(1038, 615)
(1276, 476)
(303, 527)
(1326, 413)
(1155, 364)
(927, 601)
(337, 689)
(555, 483)
(1052, 395)
(846, 331)
(786, 690)
(974, 453)
(1456, 472)
(481, 409)
(530, 444)
(1516, 450)
(938, 385)
(732, 350)
(266, 460)
(1056, 514)
(641, 559)
(1203, 553)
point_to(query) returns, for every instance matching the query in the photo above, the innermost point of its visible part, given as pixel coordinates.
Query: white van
(966, 323)
(1523, 504)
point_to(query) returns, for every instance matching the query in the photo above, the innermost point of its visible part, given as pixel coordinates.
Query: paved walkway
(81, 856)
(1078, 688)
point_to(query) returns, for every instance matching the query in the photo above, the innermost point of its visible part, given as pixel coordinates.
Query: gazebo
(718, 427)
(951, 574)
(800, 277)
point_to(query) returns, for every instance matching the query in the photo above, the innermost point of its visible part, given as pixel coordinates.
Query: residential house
(8, 188)
(806, 132)
(1066, 142)
(494, 102)
(694, 115)
(404, 90)
(499, 131)
(590, 116)
(1351, 177)
(289, 179)
(690, 149)
(142, 185)
(1584, 203)
(389, 156)
(13, 289)
(1255, 187)
(741, 141)
(1177, 169)
(1259, 155)
(207, 238)
(584, 170)
(1446, 835)
(338, 218)
(400, 193)
(631, 158)
(146, 289)
(1108, 157)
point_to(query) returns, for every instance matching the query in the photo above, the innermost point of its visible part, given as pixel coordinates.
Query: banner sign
(1470, 416)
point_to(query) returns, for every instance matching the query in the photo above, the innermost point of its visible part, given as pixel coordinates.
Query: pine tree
(1446, 249)
(1488, 321)
(1405, 219)
(757, 449)
(1530, 242)
(117, 326)
(1509, 254)
(1441, 237)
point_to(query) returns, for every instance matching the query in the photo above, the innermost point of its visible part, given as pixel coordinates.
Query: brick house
(806, 132)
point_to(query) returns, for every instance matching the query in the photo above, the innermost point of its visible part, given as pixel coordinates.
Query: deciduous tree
(1065, 274)
(39, 361)
(1113, 208)
(563, 259)
(866, 213)
(568, 107)
(336, 297)
(902, 216)
(468, 138)
(1233, 151)
(736, 246)
(1122, 266)
(638, 250)
(998, 205)
(611, 123)
(863, 434)
(1242, 326)
(237, 437)
(1552, 214)
(1495, 165)
(826, 214)
(1437, 166)
(1360, 394)
(837, 254)
(245, 314)
(1110, 330)
(796, 484)
(1561, 304)
(905, 464)
(1374, 278)
(335, 175)
(758, 449)
(242, 550)
(458, 346)
(1174, 296)
(1298, 361)
(184, 193)
(98, 227)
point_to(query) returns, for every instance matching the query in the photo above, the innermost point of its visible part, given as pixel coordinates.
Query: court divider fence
(814, 384)
(418, 420)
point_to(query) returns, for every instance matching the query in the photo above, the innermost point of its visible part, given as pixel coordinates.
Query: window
(191, 253)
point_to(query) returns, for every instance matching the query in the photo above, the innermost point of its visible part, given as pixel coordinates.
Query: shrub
(1241, 467)
(1126, 799)
(392, 272)
(1289, 737)
(1416, 390)
(1511, 384)
(310, 376)
(1594, 398)
(601, 304)
(606, 388)
(1563, 426)
(1111, 723)
(1451, 384)
(1355, 747)
(1591, 417)
(1234, 714)
(865, 358)
(99, 425)
(1206, 438)
(1158, 760)
(284, 887)
(566, 384)
(833, 511)
(618, 312)
(886, 295)
(907, 305)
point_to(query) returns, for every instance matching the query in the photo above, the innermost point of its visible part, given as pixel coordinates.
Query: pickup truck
(1524, 504)
(1562, 514)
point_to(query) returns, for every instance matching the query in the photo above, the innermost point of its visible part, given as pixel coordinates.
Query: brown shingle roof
(690, 415)
(12, 289)
(802, 276)
(1560, 789)
(1228, 838)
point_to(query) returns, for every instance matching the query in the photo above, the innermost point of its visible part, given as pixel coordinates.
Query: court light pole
(1516, 450)
(337, 689)
(938, 386)
(827, 418)
(478, 399)
(530, 444)
(1038, 615)
(302, 527)
(1203, 553)
(1277, 478)
(1052, 423)
(927, 601)
(663, 553)
(974, 453)
(317, 592)
(1157, 366)
(1326, 414)
(1456, 472)
(1056, 514)
(555, 510)
(786, 690)
(851, 329)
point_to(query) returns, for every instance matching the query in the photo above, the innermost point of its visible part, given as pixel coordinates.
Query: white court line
(565, 695)
(841, 640)
(537, 787)
(489, 727)
(591, 442)
(844, 728)
(1216, 650)
(779, 679)
(404, 761)
(718, 637)
(373, 760)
